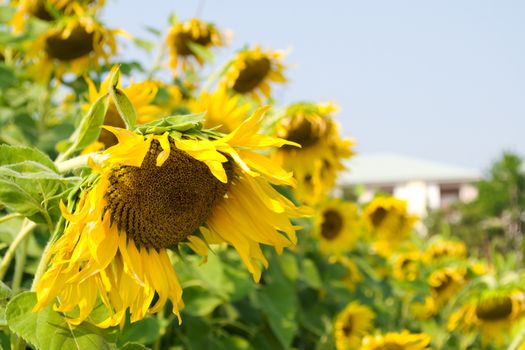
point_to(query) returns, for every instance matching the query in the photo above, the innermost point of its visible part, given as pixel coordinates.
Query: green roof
(392, 168)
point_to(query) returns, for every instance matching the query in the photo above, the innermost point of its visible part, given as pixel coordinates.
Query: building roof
(386, 169)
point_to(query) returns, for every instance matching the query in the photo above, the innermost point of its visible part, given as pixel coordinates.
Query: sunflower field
(173, 206)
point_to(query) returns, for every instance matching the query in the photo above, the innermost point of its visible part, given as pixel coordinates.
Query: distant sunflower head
(352, 324)
(406, 266)
(317, 162)
(75, 44)
(444, 249)
(186, 40)
(51, 10)
(337, 226)
(224, 112)
(397, 341)
(156, 191)
(494, 314)
(446, 282)
(388, 222)
(253, 70)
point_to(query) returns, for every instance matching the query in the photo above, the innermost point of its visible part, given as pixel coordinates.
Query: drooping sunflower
(398, 341)
(252, 70)
(223, 111)
(186, 41)
(494, 314)
(154, 192)
(73, 44)
(444, 249)
(47, 10)
(317, 162)
(388, 222)
(446, 282)
(406, 266)
(336, 226)
(352, 324)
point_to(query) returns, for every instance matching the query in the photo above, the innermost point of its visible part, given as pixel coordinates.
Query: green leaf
(17, 154)
(200, 51)
(310, 274)
(5, 292)
(145, 331)
(134, 346)
(122, 103)
(7, 76)
(89, 128)
(200, 302)
(48, 330)
(278, 301)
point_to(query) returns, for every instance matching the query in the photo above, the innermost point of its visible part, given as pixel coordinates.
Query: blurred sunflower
(406, 266)
(74, 44)
(493, 314)
(154, 192)
(337, 226)
(223, 112)
(352, 324)
(49, 10)
(316, 163)
(251, 72)
(389, 223)
(188, 40)
(446, 282)
(444, 249)
(353, 275)
(398, 341)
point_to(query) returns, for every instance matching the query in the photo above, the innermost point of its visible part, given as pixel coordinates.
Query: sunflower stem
(42, 265)
(20, 261)
(74, 163)
(25, 230)
(9, 217)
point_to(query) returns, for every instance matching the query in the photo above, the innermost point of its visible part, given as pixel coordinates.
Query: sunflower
(352, 324)
(446, 282)
(336, 227)
(406, 266)
(444, 249)
(154, 192)
(74, 45)
(398, 341)
(389, 223)
(353, 275)
(223, 112)
(47, 10)
(251, 72)
(316, 163)
(493, 314)
(187, 40)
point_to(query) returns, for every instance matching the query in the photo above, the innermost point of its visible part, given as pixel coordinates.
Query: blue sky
(442, 80)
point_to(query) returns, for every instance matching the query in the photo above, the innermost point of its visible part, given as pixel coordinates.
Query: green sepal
(122, 103)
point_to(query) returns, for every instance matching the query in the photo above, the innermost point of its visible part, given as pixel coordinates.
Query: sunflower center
(390, 346)
(252, 74)
(305, 134)
(38, 9)
(78, 44)
(443, 285)
(348, 327)
(182, 43)
(159, 207)
(378, 216)
(494, 309)
(332, 224)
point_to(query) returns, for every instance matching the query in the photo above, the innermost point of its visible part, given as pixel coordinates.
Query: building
(423, 184)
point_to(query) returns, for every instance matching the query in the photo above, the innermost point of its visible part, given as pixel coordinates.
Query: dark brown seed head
(252, 75)
(78, 44)
(332, 224)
